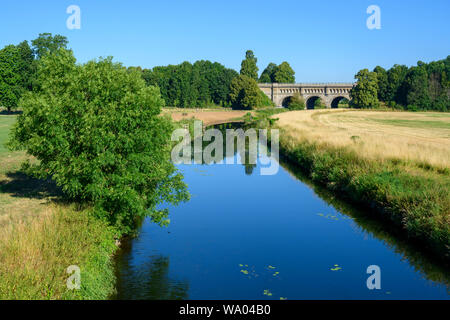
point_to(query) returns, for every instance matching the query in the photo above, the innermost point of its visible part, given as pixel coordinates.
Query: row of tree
(18, 65)
(422, 87)
(201, 84)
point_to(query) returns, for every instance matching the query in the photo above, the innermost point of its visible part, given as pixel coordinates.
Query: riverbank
(406, 187)
(41, 236)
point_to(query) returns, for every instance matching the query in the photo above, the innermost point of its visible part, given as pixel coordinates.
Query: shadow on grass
(21, 185)
(10, 113)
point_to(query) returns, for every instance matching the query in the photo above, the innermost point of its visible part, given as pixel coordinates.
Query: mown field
(395, 163)
(41, 235)
(420, 138)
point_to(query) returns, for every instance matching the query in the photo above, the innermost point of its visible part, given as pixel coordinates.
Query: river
(248, 236)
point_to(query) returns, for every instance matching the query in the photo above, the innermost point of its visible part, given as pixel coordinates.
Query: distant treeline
(187, 85)
(18, 65)
(422, 87)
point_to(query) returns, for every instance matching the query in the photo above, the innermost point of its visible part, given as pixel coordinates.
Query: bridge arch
(285, 102)
(335, 101)
(311, 101)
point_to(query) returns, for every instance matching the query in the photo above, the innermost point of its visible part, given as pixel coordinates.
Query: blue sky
(324, 41)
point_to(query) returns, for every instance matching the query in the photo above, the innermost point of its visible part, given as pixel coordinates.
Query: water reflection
(149, 279)
(429, 266)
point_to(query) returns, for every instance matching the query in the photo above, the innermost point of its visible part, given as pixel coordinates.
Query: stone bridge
(329, 93)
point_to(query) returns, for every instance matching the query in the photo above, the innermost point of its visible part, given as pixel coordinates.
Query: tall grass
(35, 255)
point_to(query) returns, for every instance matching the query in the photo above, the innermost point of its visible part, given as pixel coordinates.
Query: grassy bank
(40, 237)
(369, 163)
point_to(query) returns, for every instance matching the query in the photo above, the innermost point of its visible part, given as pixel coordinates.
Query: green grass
(6, 123)
(40, 237)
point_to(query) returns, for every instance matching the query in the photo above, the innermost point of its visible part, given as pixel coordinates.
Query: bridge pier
(329, 93)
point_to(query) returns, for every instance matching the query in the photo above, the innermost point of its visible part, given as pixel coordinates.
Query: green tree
(245, 93)
(10, 77)
(284, 73)
(382, 83)
(395, 88)
(47, 43)
(268, 75)
(248, 65)
(185, 85)
(417, 94)
(365, 93)
(97, 131)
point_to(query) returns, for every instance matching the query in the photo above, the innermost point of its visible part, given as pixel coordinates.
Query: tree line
(18, 66)
(425, 86)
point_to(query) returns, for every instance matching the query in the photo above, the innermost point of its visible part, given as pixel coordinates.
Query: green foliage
(284, 73)
(47, 43)
(248, 66)
(245, 93)
(416, 84)
(278, 74)
(422, 87)
(11, 82)
(318, 104)
(296, 102)
(365, 93)
(96, 131)
(268, 75)
(382, 78)
(199, 85)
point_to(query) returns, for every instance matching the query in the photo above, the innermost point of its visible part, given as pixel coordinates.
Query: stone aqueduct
(330, 93)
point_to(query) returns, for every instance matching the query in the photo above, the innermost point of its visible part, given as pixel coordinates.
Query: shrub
(296, 102)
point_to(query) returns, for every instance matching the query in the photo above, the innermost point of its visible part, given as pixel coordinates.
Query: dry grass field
(208, 116)
(422, 138)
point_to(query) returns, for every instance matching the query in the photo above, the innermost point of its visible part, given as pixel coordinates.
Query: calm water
(247, 236)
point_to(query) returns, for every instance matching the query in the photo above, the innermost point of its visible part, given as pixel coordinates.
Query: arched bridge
(329, 93)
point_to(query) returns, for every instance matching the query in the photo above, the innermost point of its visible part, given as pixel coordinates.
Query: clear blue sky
(324, 41)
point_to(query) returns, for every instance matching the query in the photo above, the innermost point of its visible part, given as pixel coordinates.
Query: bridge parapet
(330, 93)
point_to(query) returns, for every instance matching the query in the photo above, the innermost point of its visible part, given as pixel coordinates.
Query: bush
(296, 102)
(318, 104)
(97, 132)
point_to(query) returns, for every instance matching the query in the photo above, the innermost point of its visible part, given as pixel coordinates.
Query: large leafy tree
(417, 87)
(10, 77)
(395, 88)
(47, 43)
(268, 75)
(382, 83)
(284, 73)
(97, 131)
(248, 65)
(245, 93)
(365, 93)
